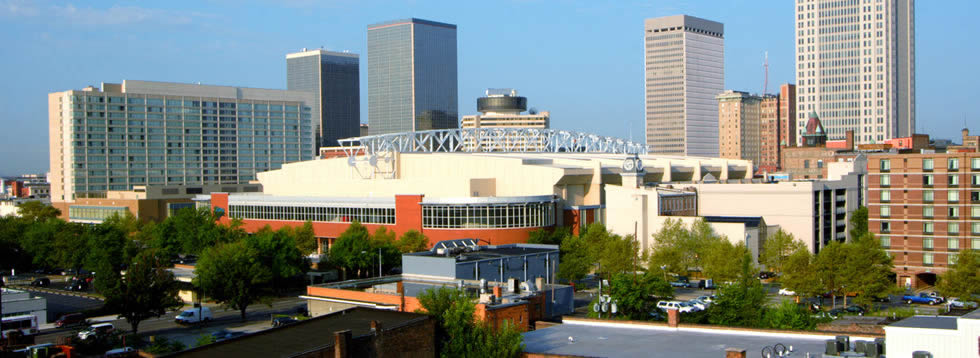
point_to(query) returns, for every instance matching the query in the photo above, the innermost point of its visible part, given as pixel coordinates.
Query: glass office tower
(411, 76)
(334, 80)
(158, 133)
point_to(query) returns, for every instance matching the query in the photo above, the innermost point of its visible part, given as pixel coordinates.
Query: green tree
(577, 260)
(305, 238)
(232, 274)
(549, 236)
(789, 315)
(34, 211)
(859, 222)
(352, 250)
(962, 279)
(828, 269)
(71, 246)
(717, 262)
(38, 240)
(636, 295)
(412, 241)
(196, 230)
(799, 273)
(147, 290)
(277, 252)
(383, 243)
(741, 303)
(678, 248)
(777, 248)
(619, 254)
(12, 230)
(459, 335)
(868, 269)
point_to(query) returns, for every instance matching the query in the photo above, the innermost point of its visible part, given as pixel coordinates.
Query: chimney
(497, 291)
(734, 353)
(673, 318)
(341, 346)
(401, 294)
(849, 139)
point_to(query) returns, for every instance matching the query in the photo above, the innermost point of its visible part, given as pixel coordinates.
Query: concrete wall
(902, 341)
(21, 302)
(429, 266)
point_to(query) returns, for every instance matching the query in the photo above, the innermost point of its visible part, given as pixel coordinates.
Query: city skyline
(612, 68)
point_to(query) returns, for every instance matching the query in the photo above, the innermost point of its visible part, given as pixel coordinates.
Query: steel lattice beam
(483, 140)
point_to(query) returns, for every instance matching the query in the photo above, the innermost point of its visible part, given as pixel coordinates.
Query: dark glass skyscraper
(411, 76)
(334, 79)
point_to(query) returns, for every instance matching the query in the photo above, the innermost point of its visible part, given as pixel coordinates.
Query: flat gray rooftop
(643, 341)
(933, 322)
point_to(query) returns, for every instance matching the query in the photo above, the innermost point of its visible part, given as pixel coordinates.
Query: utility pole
(379, 262)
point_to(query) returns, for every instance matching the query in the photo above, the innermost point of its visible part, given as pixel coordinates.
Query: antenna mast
(765, 68)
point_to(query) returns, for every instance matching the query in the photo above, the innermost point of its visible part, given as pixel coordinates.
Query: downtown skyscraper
(685, 59)
(334, 80)
(412, 79)
(855, 63)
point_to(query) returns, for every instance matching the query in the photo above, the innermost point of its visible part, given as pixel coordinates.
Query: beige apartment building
(855, 64)
(140, 133)
(739, 126)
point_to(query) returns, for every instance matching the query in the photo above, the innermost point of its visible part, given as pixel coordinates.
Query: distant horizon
(581, 61)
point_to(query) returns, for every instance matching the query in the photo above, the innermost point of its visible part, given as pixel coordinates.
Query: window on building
(886, 227)
(886, 196)
(886, 241)
(886, 180)
(819, 164)
(928, 211)
(928, 228)
(975, 179)
(975, 212)
(975, 196)
(953, 212)
(886, 211)
(927, 258)
(953, 180)
(928, 180)
(806, 164)
(953, 196)
(927, 243)
(953, 228)
(951, 258)
(976, 243)
(886, 165)
(953, 163)
(927, 164)
(928, 196)
(953, 243)
(975, 228)
(975, 163)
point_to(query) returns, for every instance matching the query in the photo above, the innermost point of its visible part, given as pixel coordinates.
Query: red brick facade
(912, 210)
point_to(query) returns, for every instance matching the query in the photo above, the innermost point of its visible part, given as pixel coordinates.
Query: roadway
(165, 325)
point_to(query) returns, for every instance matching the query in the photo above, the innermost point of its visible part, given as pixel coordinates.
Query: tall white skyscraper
(855, 62)
(685, 70)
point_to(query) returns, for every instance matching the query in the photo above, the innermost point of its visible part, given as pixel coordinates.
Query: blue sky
(581, 60)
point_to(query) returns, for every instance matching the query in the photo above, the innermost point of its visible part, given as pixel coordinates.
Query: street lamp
(664, 269)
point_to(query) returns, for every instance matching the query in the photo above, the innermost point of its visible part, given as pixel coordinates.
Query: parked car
(680, 281)
(855, 310)
(194, 315)
(96, 330)
(700, 305)
(70, 319)
(766, 275)
(682, 307)
(122, 352)
(920, 298)
(224, 334)
(41, 282)
(957, 303)
(708, 299)
(282, 321)
(78, 285)
(786, 292)
(937, 296)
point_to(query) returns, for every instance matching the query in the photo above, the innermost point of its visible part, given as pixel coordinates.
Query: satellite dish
(605, 307)
(373, 160)
(595, 308)
(532, 111)
(613, 307)
(351, 161)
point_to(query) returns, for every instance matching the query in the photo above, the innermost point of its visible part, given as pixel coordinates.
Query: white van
(194, 315)
(682, 307)
(96, 330)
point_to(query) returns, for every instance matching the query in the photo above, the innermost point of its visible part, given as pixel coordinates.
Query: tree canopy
(232, 274)
(147, 290)
(777, 248)
(962, 278)
(458, 334)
